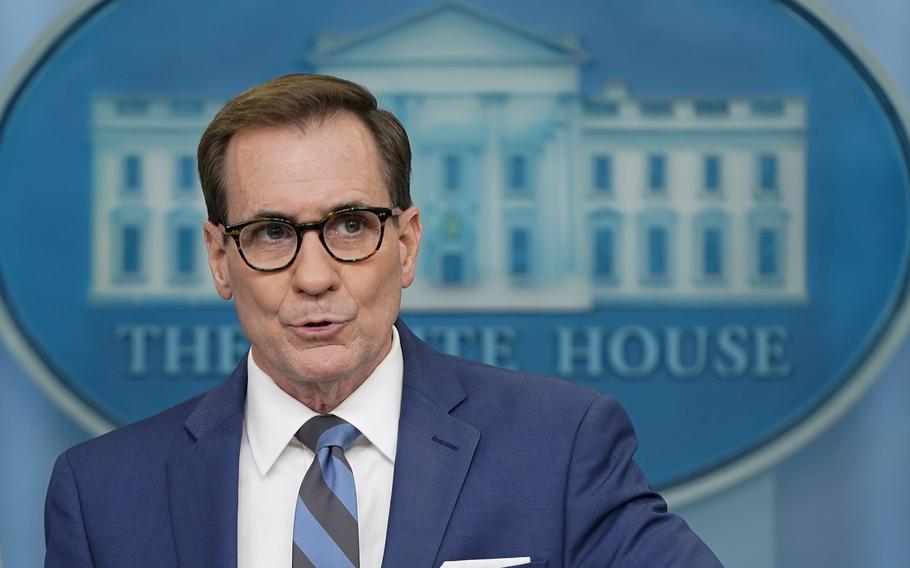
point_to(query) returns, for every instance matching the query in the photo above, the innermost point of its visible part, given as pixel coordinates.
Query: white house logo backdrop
(700, 207)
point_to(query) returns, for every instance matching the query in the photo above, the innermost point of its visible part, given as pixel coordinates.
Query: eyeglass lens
(349, 235)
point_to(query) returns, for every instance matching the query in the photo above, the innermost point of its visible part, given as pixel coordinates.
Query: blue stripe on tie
(341, 435)
(311, 538)
(340, 480)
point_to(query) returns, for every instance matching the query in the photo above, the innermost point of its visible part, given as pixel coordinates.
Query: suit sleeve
(64, 528)
(613, 518)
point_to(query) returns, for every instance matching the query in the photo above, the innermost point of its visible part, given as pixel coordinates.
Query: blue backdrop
(831, 504)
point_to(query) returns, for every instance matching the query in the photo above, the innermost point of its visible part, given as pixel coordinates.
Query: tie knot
(327, 430)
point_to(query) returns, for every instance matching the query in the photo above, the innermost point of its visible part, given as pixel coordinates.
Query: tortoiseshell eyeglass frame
(383, 213)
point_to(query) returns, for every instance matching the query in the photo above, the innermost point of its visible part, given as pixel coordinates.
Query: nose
(315, 272)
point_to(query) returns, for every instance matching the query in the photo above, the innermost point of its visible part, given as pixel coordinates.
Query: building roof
(450, 32)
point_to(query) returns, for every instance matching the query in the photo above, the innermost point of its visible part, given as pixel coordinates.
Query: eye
(275, 231)
(351, 225)
(268, 232)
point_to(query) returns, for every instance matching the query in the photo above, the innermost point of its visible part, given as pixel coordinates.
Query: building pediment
(451, 33)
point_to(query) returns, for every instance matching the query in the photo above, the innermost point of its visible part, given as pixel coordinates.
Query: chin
(322, 364)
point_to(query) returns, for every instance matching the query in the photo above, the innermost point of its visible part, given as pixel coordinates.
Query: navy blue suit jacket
(491, 463)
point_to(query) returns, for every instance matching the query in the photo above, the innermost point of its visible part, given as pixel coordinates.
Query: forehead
(303, 172)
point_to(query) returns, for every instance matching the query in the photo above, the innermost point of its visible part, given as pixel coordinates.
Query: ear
(409, 232)
(216, 245)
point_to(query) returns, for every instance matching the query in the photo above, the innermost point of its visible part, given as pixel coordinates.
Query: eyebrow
(272, 214)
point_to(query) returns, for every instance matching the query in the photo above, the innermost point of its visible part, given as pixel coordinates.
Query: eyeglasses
(349, 235)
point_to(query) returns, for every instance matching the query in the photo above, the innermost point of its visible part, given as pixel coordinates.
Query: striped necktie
(325, 521)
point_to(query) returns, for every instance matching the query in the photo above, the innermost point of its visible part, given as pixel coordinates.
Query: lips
(317, 322)
(317, 327)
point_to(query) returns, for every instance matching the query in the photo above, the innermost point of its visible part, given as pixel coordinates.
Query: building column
(572, 210)
(493, 258)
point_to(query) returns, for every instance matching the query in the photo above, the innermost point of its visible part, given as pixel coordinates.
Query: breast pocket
(471, 563)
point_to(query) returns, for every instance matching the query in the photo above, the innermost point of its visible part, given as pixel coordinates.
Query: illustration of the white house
(534, 194)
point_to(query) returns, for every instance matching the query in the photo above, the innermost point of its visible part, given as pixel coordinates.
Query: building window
(603, 173)
(657, 253)
(183, 246)
(132, 107)
(656, 247)
(521, 252)
(452, 172)
(606, 248)
(713, 253)
(711, 229)
(186, 173)
(770, 107)
(657, 173)
(659, 108)
(767, 254)
(131, 251)
(768, 246)
(767, 173)
(711, 108)
(185, 255)
(187, 107)
(604, 254)
(712, 173)
(603, 108)
(132, 172)
(452, 268)
(518, 173)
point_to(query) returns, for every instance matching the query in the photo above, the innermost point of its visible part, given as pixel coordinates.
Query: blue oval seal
(700, 207)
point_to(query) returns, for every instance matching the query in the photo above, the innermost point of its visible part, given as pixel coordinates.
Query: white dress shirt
(273, 462)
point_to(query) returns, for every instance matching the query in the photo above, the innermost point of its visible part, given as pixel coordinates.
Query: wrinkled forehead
(303, 171)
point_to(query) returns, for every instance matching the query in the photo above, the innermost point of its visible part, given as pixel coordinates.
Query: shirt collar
(273, 416)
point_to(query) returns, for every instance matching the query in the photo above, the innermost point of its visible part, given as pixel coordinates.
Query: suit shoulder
(523, 388)
(153, 433)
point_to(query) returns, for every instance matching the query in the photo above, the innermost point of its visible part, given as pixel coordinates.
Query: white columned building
(535, 195)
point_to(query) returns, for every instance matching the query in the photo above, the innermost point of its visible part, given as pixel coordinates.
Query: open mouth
(317, 327)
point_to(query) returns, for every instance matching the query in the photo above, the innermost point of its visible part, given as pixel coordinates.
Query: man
(342, 439)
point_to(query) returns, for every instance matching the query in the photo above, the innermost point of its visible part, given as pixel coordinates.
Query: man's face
(319, 320)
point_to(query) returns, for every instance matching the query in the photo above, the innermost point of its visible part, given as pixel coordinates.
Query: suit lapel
(434, 454)
(203, 478)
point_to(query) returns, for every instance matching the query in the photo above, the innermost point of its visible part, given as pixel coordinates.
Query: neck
(320, 397)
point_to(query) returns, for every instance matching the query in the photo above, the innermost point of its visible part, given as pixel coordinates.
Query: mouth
(317, 328)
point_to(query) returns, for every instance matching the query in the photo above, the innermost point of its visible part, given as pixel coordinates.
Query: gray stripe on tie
(330, 512)
(339, 453)
(299, 559)
(310, 432)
